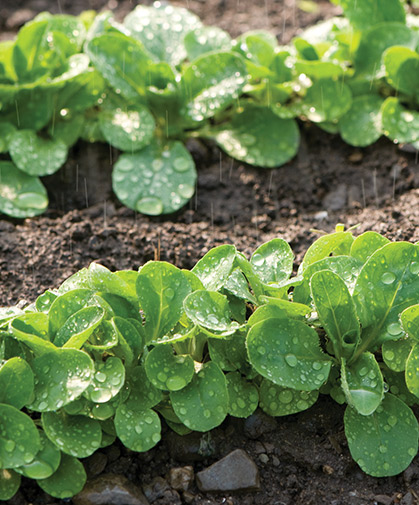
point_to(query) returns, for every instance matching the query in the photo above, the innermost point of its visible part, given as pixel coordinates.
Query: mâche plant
(147, 85)
(111, 355)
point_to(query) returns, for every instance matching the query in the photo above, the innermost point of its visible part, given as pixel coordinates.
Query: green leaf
(293, 310)
(385, 442)
(396, 352)
(130, 340)
(336, 310)
(361, 125)
(78, 327)
(77, 436)
(6, 130)
(31, 329)
(327, 100)
(142, 394)
(211, 83)
(46, 462)
(305, 50)
(35, 155)
(215, 267)
(258, 136)
(19, 440)
(399, 124)
(156, 180)
(205, 39)
(319, 69)
(210, 310)
(21, 195)
(123, 62)
(412, 371)
(273, 261)
(105, 281)
(333, 244)
(167, 370)
(43, 302)
(387, 284)
(203, 403)
(237, 285)
(365, 14)
(243, 395)
(16, 382)
(64, 306)
(161, 29)
(402, 69)
(60, 377)
(138, 429)
(257, 46)
(129, 130)
(375, 41)
(362, 383)
(397, 386)
(281, 401)
(410, 316)
(67, 481)
(161, 289)
(71, 26)
(229, 353)
(107, 381)
(366, 244)
(9, 484)
(288, 353)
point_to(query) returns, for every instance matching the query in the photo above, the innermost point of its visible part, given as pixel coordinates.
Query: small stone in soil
(181, 478)
(258, 424)
(235, 472)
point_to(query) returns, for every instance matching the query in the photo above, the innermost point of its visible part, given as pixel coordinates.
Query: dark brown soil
(328, 182)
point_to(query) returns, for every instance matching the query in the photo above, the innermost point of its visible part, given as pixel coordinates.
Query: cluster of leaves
(147, 85)
(112, 354)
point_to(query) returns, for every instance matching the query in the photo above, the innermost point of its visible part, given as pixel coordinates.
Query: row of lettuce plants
(111, 355)
(148, 84)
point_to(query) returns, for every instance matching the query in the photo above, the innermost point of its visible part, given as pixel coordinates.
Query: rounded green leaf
(229, 353)
(362, 15)
(6, 130)
(317, 69)
(65, 306)
(327, 100)
(78, 327)
(60, 377)
(167, 370)
(205, 39)
(259, 137)
(214, 268)
(142, 394)
(19, 441)
(412, 370)
(281, 401)
(67, 481)
(396, 352)
(243, 395)
(273, 261)
(46, 462)
(128, 130)
(9, 484)
(385, 442)
(402, 69)
(203, 403)
(35, 155)
(16, 382)
(399, 123)
(77, 436)
(361, 125)
(31, 328)
(108, 379)
(156, 180)
(211, 83)
(21, 195)
(397, 386)
(410, 316)
(333, 244)
(43, 302)
(366, 244)
(287, 352)
(138, 429)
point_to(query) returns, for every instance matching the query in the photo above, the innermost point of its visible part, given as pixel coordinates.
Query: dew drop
(291, 359)
(150, 205)
(258, 260)
(181, 164)
(414, 267)
(100, 376)
(388, 278)
(175, 383)
(207, 413)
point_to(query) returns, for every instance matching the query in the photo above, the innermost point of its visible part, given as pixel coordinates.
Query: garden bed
(304, 458)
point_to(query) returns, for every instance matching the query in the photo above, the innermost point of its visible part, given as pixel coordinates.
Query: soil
(305, 458)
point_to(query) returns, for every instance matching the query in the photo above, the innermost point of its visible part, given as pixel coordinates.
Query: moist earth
(302, 459)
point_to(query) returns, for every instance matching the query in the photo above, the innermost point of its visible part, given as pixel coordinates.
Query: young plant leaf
(327, 100)
(203, 403)
(21, 195)
(16, 382)
(130, 339)
(168, 371)
(237, 285)
(282, 401)
(205, 39)
(19, 440)
(64, 306)
(366, 244)
(46, 461)
(68, 480)
(397, 386)
(361, 125)
(229, 353)
(333, 244)
(138, 429)
(273, 261)
(399, 123)
(402, 69)
(385, 442)
(161, 290)
(9, 484)
(31, 329)
(367, 14)
(107, 381)
(336, 310)
(396, 352)
(77, 436)
(156, 180)
(362, 383)
(410, 316)
(78, 327)
(292, 310)
(412, 371)
(243, 395)
(35, 155)
(258, 136)
(215, 267)
(60, 377)
(288, 353)
(142, 394)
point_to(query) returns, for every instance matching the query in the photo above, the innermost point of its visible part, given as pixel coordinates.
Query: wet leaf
(402, 69)
(399, 124)
(410, 319)
(273, 261)
(16, 382)
(327, 100)
(9, 484)
(215, 267)
(396, 352)
(366, 244)
(108, 379)
(78, 327)
(68, 480)
(332, 244)
(168, 371)
(243, 395)
(205, 39)
(365, 14)
(412, 371)
(281, 401)
(361, 125)
(138, 429)
(46, 461)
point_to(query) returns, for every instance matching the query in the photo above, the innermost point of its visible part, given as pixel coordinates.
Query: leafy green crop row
(112, 354)
(161, 77)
